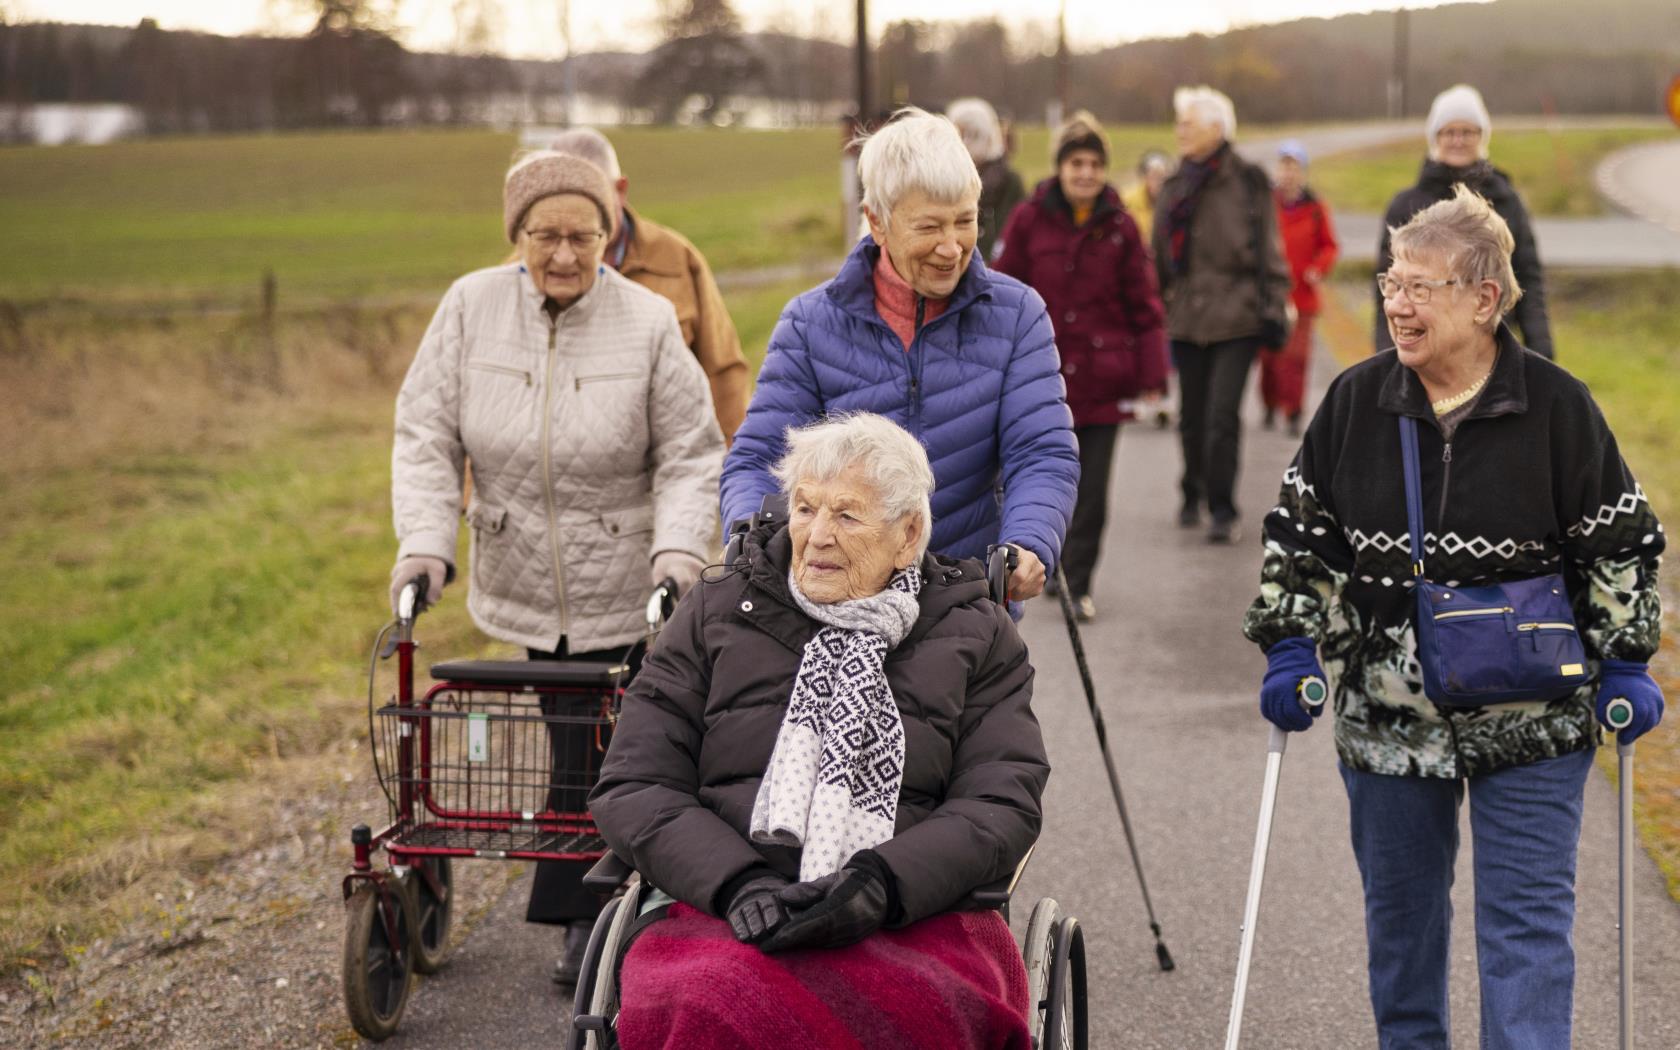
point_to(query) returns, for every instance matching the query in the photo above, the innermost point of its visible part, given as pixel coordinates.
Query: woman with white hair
(1458, 132)
(1477, 627)
(1226, 289)
(917, 328)
(830, 749)
(594, 455)
(1001, 188)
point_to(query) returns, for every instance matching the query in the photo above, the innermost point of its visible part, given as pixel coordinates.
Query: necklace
(1447, 404)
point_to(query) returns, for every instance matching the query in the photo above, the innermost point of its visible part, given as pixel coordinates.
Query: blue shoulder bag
(1492, 644)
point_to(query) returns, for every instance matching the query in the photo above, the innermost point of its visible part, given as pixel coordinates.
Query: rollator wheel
(378, 960)
(1038, 951)
(431, 912)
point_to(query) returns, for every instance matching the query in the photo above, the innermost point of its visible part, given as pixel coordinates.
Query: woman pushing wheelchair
(829, 749)
(1460, 540)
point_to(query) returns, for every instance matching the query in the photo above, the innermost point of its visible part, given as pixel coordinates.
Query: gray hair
(592, 146)
(978, 124)
(916, 151)
(1470, 236)
(1208, 104)
(894, 463)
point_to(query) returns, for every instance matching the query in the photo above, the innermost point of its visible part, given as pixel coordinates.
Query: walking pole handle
(1619, 713)
(1312, 692)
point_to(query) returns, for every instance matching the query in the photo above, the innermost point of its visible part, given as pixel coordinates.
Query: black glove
(1273, 334)
(833, 911)
(755, 911)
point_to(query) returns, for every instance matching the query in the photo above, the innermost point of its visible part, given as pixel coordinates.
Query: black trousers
(1211, 380)
(1090, 511)
(557, 892)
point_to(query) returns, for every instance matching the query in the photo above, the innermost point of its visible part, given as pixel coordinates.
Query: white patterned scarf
(834, 777)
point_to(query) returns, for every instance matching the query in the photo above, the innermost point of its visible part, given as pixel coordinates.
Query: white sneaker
(1084, 608)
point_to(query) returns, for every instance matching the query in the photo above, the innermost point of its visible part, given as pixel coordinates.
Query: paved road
(1178, 686)
(1642, 180)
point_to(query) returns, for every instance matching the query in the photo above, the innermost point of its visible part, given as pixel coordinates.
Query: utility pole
(569, 67)
(865, 107)
(1059, 108)
(1397, 79)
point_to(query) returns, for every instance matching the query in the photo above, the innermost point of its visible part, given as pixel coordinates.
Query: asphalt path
(1177, 684)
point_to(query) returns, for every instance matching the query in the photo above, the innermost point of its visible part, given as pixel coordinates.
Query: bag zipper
(1489, 611)
(1544, 626)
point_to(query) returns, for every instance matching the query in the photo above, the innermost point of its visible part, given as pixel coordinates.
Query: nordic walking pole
(1619, 713)
(1162, 956)
(1312, 693)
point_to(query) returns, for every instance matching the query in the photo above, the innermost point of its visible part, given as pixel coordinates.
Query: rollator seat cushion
(581, 674)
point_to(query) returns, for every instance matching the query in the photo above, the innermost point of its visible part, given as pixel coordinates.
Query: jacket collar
(1050, 198)
(1402, 392)
(853, 288)
(531, 297)
(652, 249)
(946, 584)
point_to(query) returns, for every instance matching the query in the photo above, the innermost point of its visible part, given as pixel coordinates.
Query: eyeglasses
(549, 241)
(1418, 290)
(1459, 134)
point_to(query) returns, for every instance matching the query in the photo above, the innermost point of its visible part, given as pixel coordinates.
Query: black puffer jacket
(677, 787)
(1435, 183)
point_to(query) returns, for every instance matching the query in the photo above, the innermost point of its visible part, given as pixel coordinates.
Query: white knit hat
(1460, 102)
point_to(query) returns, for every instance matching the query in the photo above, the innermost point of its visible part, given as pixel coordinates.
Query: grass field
(1553, 172)
(199, 534)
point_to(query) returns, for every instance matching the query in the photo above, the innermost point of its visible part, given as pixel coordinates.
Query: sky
(531, 28)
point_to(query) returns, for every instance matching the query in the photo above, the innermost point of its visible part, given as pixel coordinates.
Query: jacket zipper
(486, 366)
(548, 473)
(1446, 475)
(914, 365)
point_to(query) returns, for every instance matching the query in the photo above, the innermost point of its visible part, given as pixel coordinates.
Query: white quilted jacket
(593, 446)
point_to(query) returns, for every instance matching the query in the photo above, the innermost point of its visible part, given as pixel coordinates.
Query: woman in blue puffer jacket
(916, 328)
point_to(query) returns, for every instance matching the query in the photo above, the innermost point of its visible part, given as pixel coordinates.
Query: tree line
(1525, 55)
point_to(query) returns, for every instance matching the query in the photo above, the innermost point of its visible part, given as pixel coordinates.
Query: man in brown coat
(663, 260)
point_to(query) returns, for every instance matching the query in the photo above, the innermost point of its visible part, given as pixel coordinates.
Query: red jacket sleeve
(1326, 248)
(1144, 313)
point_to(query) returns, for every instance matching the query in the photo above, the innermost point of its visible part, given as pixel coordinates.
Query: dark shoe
(1295, 425)
(1163, 419)
(570, 967)
(1269, 420)
(1084, 609)
(1224, 531)
(1189, 516)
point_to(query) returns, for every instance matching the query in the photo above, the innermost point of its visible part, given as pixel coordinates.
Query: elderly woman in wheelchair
(828, 752)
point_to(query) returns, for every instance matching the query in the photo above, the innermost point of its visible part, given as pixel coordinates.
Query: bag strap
(1414, 491)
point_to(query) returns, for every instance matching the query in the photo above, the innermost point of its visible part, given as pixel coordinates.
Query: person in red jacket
(1075, 244)
(1309, 243)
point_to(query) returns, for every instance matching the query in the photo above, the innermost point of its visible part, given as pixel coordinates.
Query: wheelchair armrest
(996, 894)
(608, 874)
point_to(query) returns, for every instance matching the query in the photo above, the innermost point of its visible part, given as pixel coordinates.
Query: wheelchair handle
(661, 604)
(1001, 561)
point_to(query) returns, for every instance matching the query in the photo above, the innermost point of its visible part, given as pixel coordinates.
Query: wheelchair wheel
(1054, 953)
(431, 912)
(378, 960)
(597, 992)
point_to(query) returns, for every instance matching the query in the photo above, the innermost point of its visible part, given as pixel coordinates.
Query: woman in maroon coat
(1076, 246)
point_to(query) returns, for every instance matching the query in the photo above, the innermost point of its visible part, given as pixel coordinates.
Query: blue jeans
(1525, 823)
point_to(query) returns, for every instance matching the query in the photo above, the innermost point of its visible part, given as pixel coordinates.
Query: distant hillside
(1527, 56)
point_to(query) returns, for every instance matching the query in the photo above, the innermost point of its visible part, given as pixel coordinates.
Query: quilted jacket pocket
(486, 518)
(627, 522)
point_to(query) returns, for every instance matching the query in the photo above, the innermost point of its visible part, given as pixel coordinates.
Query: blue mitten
(1287, 662)
(1630, 679)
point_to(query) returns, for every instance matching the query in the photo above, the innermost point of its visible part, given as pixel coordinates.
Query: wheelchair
(1053, 948)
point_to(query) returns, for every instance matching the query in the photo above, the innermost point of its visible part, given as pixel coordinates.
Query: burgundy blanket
(951, 982)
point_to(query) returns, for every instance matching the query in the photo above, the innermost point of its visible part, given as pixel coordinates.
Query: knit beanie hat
(1459, 102)
(1080, 131)
(546, 173)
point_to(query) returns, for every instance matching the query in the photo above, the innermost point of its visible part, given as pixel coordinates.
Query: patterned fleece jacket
(1531, 483)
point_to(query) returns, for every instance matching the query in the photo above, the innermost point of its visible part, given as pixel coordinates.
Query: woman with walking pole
(1462, 544)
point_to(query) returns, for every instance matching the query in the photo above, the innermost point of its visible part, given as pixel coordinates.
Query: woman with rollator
(1475, 665)
(595, 459)
(831, 747)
